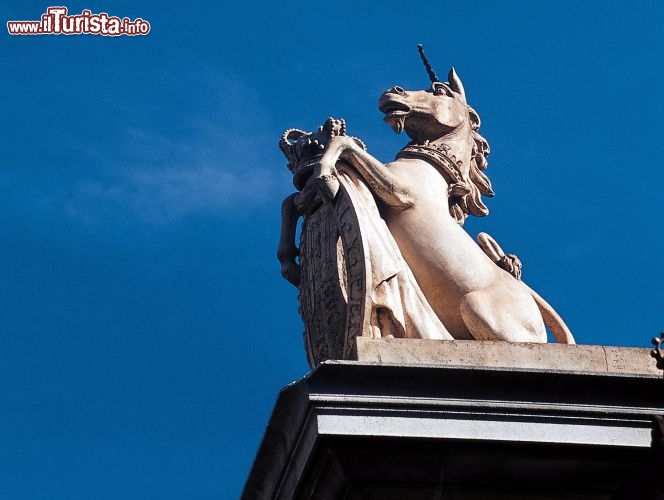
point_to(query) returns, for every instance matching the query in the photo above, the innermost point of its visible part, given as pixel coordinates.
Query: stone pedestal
(466, 420)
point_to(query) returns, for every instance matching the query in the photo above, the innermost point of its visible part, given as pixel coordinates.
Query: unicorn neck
(459, 144)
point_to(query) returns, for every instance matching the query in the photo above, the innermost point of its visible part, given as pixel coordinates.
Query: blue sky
(146, 330)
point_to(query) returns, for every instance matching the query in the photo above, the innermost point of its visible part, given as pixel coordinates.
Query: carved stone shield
(334, 303)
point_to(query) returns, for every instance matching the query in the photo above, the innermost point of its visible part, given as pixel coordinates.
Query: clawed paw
(291, 272)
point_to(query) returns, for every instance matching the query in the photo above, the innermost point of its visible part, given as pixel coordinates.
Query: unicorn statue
(382, 249)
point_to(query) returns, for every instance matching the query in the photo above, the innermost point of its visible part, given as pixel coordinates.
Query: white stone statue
(423, 276)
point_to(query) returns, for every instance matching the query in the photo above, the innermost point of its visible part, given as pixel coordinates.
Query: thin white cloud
(219, 159)
(168, 194)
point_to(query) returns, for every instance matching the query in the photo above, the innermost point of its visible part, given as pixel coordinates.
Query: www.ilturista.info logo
(56, 22)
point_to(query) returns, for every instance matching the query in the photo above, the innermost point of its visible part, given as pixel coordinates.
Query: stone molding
(608, 409)
(560, 357)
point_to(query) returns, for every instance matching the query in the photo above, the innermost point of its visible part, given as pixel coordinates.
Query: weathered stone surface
(562, 357)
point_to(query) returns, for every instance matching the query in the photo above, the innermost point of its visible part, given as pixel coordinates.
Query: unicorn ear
(455, 82)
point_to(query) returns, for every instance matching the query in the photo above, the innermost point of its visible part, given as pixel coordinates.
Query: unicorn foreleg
(380, 180)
